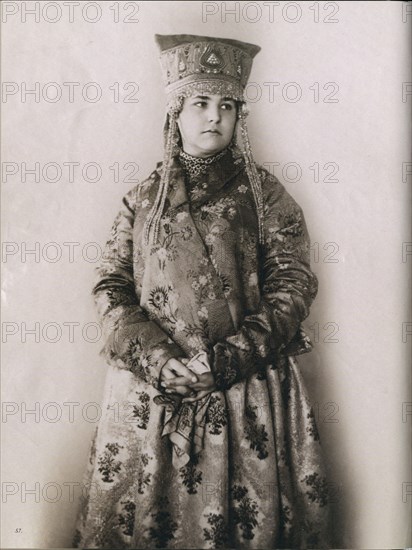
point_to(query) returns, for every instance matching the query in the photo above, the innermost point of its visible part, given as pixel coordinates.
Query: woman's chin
(213, 149)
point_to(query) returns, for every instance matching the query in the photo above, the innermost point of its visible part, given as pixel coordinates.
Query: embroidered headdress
(203, 65)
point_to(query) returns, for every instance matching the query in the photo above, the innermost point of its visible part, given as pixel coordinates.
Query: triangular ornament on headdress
(213, 59)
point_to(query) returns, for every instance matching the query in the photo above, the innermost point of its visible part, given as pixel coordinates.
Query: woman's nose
(214, 114)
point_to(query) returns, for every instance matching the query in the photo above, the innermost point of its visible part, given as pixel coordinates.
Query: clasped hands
(176, 377)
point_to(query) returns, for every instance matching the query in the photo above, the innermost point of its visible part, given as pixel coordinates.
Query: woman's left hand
(204, 385)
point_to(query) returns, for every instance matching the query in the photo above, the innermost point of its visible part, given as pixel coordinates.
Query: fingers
(177, 381)
(206, 382)
(199, 386)
(166, 373)
(184, 372)
(175, 366)
(181, 390)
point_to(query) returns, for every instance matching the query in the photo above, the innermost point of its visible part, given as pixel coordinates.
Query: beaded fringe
(155, 213)
(152, 223)
(252, 173)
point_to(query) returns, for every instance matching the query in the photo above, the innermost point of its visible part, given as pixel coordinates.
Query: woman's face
(206, 124)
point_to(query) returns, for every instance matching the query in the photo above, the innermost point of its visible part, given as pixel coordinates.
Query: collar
(195, 167)
(218, 174)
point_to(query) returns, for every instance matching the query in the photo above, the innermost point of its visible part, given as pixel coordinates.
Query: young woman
(202, 291)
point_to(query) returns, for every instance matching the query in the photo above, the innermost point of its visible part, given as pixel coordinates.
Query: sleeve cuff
(225, 370)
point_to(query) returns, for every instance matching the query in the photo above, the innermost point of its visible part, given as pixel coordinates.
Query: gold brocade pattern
(207, 285)
(204, 64)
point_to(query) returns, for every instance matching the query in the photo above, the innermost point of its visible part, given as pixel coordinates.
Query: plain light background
(359, 384)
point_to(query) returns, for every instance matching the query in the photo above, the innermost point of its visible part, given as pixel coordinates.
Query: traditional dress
(258, 482)
(214, 282)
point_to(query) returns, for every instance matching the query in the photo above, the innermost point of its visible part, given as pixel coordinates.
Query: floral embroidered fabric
(194, 169)
(207, 285)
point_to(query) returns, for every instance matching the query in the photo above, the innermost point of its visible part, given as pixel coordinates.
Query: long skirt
(259, 481)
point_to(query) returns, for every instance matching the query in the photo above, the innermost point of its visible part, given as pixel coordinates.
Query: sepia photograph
(206, 252)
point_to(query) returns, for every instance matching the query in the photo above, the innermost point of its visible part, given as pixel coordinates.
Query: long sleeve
(133, 341)
(287, 285)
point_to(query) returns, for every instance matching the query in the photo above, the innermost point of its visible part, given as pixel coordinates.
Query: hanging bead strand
(252, 175)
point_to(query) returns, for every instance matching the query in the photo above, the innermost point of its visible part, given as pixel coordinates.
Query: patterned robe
(207, 285)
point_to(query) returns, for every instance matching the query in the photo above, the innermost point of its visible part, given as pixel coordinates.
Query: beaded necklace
(195, 166)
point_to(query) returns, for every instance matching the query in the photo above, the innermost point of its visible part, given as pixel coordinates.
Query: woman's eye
(227, 106)
(200, 103)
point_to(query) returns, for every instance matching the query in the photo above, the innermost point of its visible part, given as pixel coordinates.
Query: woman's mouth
(211, 132)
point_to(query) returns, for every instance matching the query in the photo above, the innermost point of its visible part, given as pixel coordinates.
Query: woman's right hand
(175, 368)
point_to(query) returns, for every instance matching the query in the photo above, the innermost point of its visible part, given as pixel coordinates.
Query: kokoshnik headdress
(203, 65)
